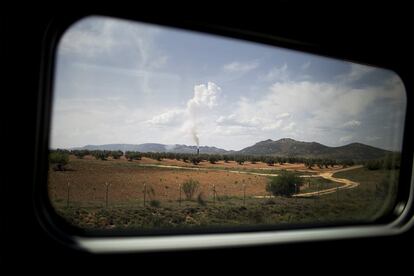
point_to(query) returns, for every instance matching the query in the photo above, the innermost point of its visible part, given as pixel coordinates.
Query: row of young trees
(391, 161)
(60, 157)
(212, 158)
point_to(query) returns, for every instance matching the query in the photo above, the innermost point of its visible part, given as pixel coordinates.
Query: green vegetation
(389, 162)
(373, 198)
(270, 161)
(314, 184)
(116, 154)
(240, 160)
(355, 205)
(212, 159)
(59, 160)
(155, 203)
(201, 200)
(377, 191)
(285, 184)
(101, 154)
(190, 187)
(195, 160)
(80, 153)
(131, 155)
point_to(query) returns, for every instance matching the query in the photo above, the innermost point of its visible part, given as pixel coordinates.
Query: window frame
(57, 227)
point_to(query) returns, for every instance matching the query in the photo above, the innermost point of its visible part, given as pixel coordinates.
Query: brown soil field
(87, 178)
(230, 165)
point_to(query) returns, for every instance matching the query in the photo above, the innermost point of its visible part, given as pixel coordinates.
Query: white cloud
(290, 126)
(233, 130)
(171, 117)
(204, 96)
(88, 39)
(314, 111)
(352, 123)
(306, 65)
(345, 139)
(114, 42)
(372, 138)
(277, 74)
(271, 125)
(283, 115)
(254, 122)
(356, 72)
(240, 67)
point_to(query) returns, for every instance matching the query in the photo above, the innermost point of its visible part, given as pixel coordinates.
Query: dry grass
(88, 177)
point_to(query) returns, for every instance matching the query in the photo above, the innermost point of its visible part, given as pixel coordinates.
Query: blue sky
(125, 82)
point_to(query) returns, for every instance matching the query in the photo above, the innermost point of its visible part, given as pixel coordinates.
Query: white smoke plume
(195, 136)
(205, 97)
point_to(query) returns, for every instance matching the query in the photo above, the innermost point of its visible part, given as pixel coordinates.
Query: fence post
(67, 199)
(214, 193)
(179, 201)
(296, 190)
(244, 194)
(107, 188)
(317, 187)
(318, 190)
(337, 192)
(145, 193)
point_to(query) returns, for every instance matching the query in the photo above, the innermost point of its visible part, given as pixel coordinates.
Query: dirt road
(204, 169)
(347, 184)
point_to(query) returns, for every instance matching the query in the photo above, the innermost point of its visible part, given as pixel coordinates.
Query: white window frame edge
(205, 241)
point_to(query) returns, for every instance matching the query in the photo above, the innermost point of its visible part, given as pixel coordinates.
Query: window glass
(159, 128)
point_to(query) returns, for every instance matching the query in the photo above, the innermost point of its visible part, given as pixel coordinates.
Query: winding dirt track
(347, 184)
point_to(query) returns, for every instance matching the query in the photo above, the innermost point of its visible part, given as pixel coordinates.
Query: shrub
(99, 154)
(286, 184)
(347, 163)
(382, 188)
(190, 187)
(212, 159)
(201, 200)
(131, 155)
(373, 165)
(155, 203)
(80, 153)
(309, 164)
(270, 161)
(116, 154)
(392, 161)
(240, 160)
(59, 159)
(195, 160)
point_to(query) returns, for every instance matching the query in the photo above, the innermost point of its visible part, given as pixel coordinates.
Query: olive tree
(285, 184)
(59, 160)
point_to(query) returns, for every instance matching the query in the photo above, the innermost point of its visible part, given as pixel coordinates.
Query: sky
(118, 81)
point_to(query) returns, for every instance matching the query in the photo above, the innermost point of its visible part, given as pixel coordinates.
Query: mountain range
(283, 147)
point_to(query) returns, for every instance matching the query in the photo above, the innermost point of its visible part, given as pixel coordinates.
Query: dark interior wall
(379, 34)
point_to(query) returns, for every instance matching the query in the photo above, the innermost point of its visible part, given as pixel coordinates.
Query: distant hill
(283, 147)
(153, 147)
(290, 147)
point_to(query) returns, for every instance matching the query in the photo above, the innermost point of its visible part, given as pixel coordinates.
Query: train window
(160, 130)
